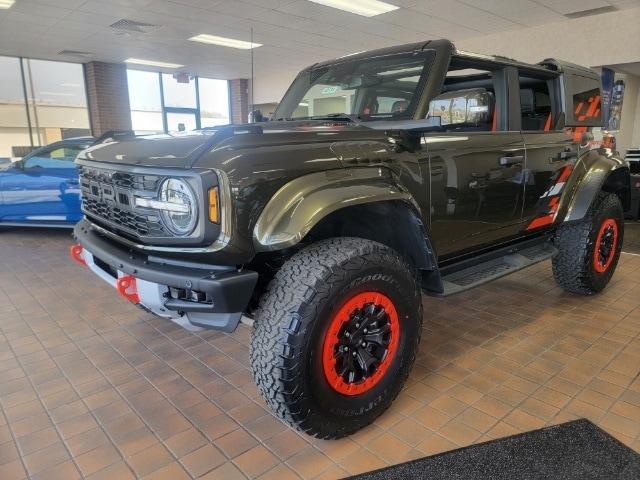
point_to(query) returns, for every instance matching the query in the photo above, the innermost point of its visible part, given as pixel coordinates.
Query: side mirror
(256, 116)
(404, 140)
(463, 107)
(586, 139)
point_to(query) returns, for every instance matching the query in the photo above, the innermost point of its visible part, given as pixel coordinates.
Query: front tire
(335, 335)
(589, 249)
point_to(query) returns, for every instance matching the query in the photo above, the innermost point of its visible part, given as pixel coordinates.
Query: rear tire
(589, 249)
(322, 293)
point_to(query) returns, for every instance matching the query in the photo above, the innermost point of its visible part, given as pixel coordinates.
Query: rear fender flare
(594, 171)
(303, 202)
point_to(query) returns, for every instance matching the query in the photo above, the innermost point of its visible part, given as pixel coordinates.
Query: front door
(476, 188)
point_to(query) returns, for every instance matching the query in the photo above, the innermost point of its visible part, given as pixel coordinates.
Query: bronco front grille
(108, 196)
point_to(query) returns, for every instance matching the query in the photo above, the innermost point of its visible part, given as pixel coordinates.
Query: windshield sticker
(329, 90)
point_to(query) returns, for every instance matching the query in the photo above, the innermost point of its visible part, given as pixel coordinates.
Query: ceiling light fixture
(152, 63)
(6, 4)
(224, 42)
(366, 8)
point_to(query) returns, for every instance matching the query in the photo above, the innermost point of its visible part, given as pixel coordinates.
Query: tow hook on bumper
(127, 287)
(209, 297)
(76, 254)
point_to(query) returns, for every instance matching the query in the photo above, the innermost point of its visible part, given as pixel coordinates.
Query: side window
(60, 157)
(467, 101)
(535, 104)
(583, 99)
(586, 98)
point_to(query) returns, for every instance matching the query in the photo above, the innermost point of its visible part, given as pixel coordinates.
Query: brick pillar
(239, 100)
(107, 96)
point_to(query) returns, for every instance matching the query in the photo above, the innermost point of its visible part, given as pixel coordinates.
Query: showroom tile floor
(92, 387)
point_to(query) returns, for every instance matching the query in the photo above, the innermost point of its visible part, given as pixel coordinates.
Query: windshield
(365, 89)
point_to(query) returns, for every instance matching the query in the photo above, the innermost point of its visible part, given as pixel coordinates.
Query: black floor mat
(576, 450)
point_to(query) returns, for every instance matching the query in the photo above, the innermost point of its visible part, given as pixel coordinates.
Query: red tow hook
(127, 287)
(76, 254)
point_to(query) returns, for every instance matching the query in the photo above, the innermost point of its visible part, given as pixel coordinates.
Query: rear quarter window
(584, 97)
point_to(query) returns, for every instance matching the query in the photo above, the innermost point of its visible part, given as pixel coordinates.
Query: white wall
(591, 41)
(271, 88)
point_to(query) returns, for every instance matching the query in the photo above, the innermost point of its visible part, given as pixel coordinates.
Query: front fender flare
(300, 204)
(592, 174)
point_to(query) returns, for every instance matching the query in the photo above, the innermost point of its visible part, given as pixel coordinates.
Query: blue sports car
(42, 189)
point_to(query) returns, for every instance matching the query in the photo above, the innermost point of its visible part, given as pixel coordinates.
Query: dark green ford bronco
(382, 176)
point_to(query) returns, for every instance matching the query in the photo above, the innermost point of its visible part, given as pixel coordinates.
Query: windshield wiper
(337, 116)
(328, 116)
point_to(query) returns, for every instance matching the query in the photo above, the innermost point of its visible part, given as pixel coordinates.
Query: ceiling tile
(462, 14)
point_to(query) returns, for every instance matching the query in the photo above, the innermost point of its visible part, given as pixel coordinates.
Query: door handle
(511, 160)
(562, 156)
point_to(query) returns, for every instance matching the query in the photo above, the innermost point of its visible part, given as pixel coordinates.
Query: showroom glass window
(40, 102)
(57, 100)
(145, 101)
(175, 103)
(179, 94)
(180, 102)
(14, 127)
(214, 102)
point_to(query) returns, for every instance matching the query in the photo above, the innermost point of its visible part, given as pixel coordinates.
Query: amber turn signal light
(214, 208)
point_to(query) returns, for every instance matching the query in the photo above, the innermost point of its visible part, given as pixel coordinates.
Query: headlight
(180, 212)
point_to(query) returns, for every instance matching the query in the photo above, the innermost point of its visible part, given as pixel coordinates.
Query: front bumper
(208, 295)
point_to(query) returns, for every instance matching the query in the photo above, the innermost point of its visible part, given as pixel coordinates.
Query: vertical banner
(615, 112)
(608, 77)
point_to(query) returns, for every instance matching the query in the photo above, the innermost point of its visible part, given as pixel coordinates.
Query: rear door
(550, 151)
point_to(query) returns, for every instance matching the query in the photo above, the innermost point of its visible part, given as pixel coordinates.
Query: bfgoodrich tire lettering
(575, 268)
(294, 316)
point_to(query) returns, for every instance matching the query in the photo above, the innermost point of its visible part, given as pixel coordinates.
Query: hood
(183, 150)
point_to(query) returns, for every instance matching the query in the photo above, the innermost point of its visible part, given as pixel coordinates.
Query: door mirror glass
(472, 107)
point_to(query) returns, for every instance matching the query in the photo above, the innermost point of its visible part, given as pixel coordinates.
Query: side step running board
(469, 277)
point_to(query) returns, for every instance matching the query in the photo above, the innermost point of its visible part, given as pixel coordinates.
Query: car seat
(534, 117)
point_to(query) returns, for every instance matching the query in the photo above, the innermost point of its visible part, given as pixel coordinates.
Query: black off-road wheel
(335, 335)
(590, 248)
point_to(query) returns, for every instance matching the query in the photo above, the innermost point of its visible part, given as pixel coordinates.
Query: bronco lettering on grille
(107, 196)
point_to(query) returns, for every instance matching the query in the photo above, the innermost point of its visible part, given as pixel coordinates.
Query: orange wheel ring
(606, 244)
(361, 343)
